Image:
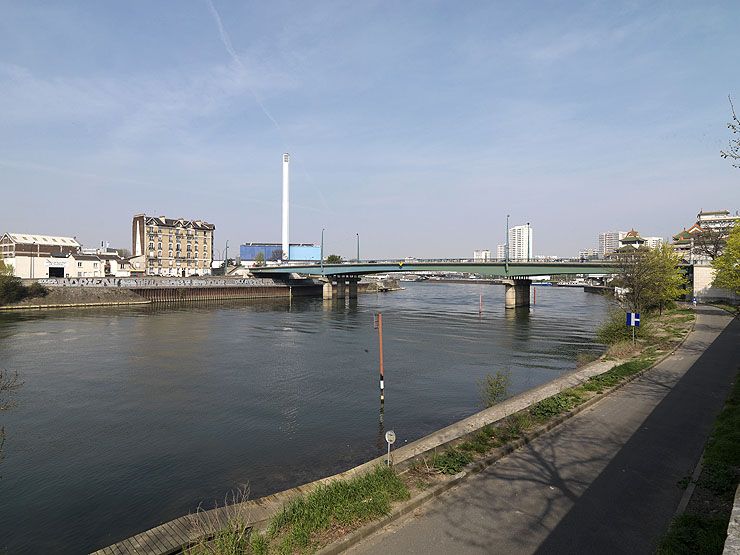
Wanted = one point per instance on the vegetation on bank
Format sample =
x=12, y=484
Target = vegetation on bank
x=650, y=277
x=331, y=511
x=728, y=263
x=314, y=519
x=702, y=529
x=12, y=289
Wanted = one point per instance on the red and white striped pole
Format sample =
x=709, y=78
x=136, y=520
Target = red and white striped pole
x=380, y=341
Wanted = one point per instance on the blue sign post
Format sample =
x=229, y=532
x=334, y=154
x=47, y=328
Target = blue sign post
x=633, y=321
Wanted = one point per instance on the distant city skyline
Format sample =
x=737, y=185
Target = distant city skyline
x=417, y=126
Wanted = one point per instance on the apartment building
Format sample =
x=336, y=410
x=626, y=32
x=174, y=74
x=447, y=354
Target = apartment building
x=163, y=246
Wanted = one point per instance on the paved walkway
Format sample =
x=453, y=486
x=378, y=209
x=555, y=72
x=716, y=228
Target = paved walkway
x=603, y=482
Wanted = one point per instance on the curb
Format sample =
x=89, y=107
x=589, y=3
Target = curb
x=477, y=466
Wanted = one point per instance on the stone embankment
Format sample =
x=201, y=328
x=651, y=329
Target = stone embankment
x=63, y=297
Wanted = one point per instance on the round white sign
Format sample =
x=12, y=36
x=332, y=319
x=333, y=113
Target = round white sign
x=390, y=436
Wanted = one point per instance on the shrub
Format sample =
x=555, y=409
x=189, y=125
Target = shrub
x=615, y=329
x=36, y=290
x=12, y=290
x=494, y=388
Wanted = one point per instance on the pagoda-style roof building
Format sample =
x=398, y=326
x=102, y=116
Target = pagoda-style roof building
x=632, y=239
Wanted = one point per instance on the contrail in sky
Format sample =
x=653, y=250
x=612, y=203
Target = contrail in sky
x=226, y=40
x=237, y=60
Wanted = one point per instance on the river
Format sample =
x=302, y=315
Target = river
x=130, y=417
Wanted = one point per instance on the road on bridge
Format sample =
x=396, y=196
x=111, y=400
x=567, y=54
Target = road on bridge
x=605, y=481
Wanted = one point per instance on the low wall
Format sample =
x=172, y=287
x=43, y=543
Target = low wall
x=155, y=282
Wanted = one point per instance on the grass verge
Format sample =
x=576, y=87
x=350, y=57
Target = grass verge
x=312, y=520
x=702, y=529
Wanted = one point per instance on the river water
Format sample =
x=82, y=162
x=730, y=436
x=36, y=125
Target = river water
x=131, y=417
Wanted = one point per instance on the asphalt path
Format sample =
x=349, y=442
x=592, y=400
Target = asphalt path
x=605, y=481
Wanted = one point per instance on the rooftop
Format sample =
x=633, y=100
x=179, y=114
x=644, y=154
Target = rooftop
x=30, y=238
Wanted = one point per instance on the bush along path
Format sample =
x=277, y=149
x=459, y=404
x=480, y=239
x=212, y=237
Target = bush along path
x=331, y=513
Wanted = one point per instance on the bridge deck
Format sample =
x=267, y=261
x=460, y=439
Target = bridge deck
x=500, y=269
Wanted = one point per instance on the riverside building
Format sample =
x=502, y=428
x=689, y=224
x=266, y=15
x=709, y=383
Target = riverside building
x=35, y=256
x=171, y=247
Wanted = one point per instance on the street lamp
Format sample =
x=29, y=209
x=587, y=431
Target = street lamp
x=528, y=240
x=358, y=246
x=506, y=254
x=322, y=249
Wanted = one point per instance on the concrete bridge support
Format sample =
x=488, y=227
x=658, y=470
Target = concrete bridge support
x=341, y=287
x=352, y=286
x=328, y=290
x=517, y=292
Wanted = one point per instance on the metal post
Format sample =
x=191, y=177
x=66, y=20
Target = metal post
x=358, y=247
x=506, y=255
x=380, y=342
x=528, y=236
x=226, y=257
x=322, y=250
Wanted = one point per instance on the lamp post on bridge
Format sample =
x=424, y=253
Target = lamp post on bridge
x=358, y=246
x=528, y=240
x=506, y=254
x=322, y=249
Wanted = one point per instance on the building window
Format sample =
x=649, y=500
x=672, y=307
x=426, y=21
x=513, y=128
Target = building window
x=79, y=264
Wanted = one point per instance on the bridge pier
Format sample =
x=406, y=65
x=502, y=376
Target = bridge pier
x=328, y=290
x=352, y=283
x=517, y=292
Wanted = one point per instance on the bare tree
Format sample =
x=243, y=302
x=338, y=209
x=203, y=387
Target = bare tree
x=733, y=149
x=711, y=241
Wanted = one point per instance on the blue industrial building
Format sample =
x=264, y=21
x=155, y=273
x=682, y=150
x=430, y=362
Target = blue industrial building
x=302, y=252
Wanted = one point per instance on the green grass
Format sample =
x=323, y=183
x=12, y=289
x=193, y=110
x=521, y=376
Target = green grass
x=694, y=534
x=340, y=503
x=556, y=405
x=232, y=540
x=451, y=461
x=612, y=377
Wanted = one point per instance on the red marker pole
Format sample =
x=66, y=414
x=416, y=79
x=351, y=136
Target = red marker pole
x=380, y=341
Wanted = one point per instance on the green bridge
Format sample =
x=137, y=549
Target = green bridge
x=341, y=278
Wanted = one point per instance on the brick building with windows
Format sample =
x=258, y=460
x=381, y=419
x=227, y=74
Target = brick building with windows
x=171, y=247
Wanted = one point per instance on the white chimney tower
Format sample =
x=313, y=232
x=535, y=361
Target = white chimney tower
x=286, y=206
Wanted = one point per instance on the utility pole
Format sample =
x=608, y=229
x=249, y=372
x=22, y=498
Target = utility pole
x=226, y=257
x=322, y=250
x=506, y=254
x=358, y=247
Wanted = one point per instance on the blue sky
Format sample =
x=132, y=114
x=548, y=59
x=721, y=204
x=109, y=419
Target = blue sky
x=418, y=125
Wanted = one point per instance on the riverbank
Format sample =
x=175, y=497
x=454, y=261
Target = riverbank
x=441, y=453
x=63, y=297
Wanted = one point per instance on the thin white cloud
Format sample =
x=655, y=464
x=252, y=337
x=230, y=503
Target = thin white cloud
x=226, y=40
